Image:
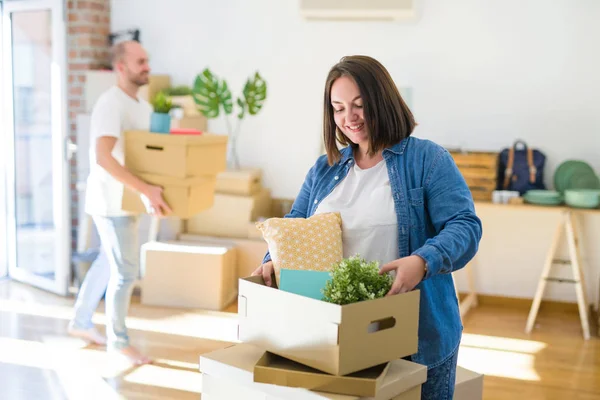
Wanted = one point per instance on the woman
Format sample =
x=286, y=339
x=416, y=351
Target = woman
x=402, y=200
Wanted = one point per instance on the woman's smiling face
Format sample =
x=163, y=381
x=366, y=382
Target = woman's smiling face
x=348, y=110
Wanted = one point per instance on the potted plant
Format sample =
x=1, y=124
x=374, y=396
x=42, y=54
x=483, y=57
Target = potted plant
x=212, y=95
x=160, y=121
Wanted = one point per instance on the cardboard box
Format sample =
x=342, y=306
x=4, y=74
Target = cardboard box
x=191, y=122
x=186, y=197
x=222, y=389
x=335, y=339
x=250, y=253
x=187, y=103
x=254, y=232
x=230, y=215
x=177, y=156
x=277, y=370
x=245, y=182
x=188, y=275
x=156, y=83
x=228, y=374
x=469, y=385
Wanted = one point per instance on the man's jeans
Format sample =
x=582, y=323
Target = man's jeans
x=114, y=271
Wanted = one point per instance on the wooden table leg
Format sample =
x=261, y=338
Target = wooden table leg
x=578, y=276
x=537, y=299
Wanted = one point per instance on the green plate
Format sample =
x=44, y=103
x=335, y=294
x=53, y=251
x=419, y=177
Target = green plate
x=569, y=169
x=545, y=201
x=587, y=180
x=543, y=194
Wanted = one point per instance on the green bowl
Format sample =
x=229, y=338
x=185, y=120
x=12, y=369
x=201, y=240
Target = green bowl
x=582, y=198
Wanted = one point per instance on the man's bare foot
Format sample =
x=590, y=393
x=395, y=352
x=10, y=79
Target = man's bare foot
x=134, y=356
x=90, y=335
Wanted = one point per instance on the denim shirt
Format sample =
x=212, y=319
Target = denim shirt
x=436, y=221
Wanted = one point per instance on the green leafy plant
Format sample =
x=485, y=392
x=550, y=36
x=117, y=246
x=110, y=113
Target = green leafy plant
x=354, y=279
x=161, y=103
x=181, y=90
x=213, y=97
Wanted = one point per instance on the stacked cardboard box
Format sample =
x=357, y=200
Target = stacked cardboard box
x=240, y=200
x=185, y=166
x=231, y=374
x=294, y=347
x=249, y=252
x=189, y=275
x=197, y=122
x=190, y=117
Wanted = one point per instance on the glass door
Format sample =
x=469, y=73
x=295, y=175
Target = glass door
x=34, y=69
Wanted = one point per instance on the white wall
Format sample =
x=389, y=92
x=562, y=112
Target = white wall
x=482, y=72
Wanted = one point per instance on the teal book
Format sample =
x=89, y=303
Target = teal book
x=303, y=282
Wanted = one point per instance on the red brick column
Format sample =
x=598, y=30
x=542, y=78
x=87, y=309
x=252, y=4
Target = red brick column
x=88, y=26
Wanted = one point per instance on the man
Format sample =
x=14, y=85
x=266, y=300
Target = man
x=117, y=110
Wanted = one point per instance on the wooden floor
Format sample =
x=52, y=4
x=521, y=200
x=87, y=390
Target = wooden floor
x=39, y=361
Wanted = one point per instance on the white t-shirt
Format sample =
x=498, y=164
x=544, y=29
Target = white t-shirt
x=114, y=113
x=369, y=223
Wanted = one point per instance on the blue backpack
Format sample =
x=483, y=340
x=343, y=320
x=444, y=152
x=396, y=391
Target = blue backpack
x=521, y=169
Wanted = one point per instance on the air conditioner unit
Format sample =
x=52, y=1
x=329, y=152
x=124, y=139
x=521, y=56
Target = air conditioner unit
x=392, y=10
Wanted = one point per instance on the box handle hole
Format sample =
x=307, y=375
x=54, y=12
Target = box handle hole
x=381, y=324
x=158, y=148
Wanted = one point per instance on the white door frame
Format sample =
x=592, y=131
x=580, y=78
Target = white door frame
x=60, y=163
x=3, y=186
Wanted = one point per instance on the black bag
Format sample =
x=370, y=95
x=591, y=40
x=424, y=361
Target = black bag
x=521, y=169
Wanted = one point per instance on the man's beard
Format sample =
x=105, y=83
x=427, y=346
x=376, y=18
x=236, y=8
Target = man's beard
x=139, y=80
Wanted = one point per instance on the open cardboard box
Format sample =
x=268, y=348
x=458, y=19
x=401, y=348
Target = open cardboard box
x=335, y=339
x=177, y=156
x=228, y=374
x=277, y=370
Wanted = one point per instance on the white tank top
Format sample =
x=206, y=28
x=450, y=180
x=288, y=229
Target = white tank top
x=369, y=222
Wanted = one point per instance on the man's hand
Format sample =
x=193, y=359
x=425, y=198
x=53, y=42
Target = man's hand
x=409, y=272
x=154, y=202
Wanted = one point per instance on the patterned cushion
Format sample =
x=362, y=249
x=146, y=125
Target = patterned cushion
x=313, y=243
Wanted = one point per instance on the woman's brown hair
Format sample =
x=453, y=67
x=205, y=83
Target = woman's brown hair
x=386, y=115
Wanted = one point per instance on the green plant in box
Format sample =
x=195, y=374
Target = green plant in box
x=353, y=279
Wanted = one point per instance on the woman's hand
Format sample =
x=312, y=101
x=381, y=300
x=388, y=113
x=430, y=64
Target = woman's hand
x=265, y=270
x=409, y=272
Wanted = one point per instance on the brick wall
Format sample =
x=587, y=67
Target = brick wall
x=88, y=26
